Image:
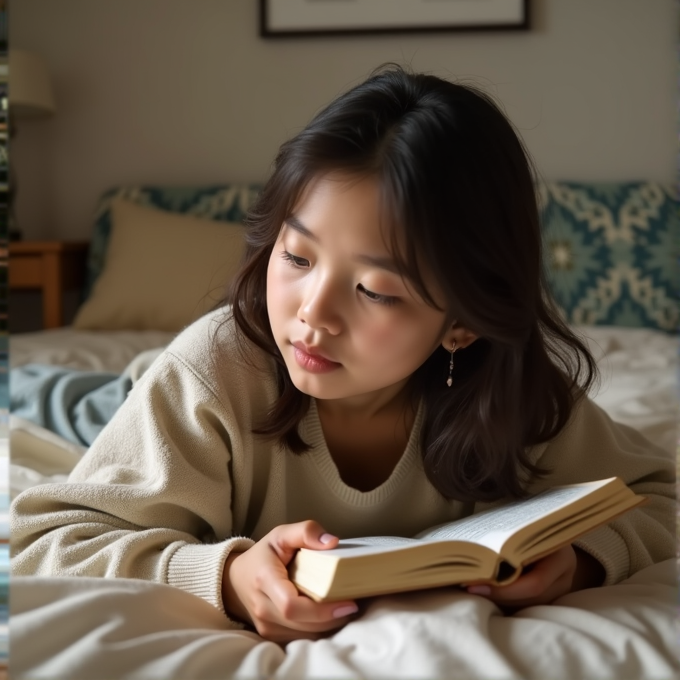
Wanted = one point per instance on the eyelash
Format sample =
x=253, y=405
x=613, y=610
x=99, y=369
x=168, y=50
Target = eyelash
x=386, y=300
x=293, y=259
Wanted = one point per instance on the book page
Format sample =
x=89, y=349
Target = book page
x=493, y=527
x=370, y=545
x=388, y=541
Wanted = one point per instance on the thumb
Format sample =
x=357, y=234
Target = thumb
x=287, y=539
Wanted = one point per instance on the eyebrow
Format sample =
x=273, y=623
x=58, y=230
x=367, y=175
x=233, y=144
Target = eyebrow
x=386, y=263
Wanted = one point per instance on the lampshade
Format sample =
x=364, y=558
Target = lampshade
x=30, y=90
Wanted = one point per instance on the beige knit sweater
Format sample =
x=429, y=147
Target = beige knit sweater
x=176, y=480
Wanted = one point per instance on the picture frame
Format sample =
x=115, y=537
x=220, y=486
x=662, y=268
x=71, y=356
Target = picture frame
x=299, y=18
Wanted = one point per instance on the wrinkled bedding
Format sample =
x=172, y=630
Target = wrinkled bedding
x=639, y=380
x=109, y=351
x=94, y=628
x=75, y=404
x=74, y=628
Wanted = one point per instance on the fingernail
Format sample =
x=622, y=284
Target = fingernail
x=479, y=590
x=326, y=538
x=345, y=611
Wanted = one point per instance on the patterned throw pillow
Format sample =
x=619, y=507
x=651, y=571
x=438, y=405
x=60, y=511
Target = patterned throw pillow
x=228, y=202
x=611, y=252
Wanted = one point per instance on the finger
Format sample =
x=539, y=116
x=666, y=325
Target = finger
x=300, y=609
x=270, y=627
x=286, y=539
x=552, y=573
x=269, y=624
x=541, y=597
x=525, y=587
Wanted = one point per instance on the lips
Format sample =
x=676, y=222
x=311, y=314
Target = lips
x=312, y=361
x=313, y=352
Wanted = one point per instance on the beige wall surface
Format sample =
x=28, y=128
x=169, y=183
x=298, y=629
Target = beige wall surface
x=186, y=92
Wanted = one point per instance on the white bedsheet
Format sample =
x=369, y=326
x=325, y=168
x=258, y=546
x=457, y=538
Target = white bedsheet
x=84, y=628
x=639, y=380
x=94, y=628
x=85, y=350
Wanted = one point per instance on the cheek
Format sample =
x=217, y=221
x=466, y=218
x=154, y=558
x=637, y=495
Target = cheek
x=402, y=339
x=390, y=334
x=382, y=335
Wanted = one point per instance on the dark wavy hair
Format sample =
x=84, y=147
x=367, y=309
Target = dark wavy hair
x=458, y=189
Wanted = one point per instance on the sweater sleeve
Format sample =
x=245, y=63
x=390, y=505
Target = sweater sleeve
x=151, y=499
x=592, y=446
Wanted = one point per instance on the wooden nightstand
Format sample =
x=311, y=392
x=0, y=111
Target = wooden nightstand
x=51, y=267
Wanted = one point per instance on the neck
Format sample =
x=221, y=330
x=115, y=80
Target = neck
x=365, y=407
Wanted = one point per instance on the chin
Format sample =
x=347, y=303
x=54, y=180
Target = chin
x=316, y=386
x=311, y=387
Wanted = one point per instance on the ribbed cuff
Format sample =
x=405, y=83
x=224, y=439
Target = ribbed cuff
x=198, y=569
x=609, y=549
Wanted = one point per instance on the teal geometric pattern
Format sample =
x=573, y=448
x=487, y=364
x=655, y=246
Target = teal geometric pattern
x=227, y=202
x=611, y=252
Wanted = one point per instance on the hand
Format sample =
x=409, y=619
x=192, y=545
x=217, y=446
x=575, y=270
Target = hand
x=564, y=571
x=257, y=590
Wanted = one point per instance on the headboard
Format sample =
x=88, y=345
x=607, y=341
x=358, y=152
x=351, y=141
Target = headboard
x=610, y=249
x=611, y=252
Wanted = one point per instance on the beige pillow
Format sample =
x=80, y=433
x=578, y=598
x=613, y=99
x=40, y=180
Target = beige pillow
x=162, y=270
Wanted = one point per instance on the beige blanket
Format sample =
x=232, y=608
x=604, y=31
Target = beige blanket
x=94, y=628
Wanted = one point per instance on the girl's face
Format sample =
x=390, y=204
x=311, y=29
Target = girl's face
x=348, y=327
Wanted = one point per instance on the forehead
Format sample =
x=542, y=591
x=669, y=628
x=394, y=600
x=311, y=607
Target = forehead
x=346, y=204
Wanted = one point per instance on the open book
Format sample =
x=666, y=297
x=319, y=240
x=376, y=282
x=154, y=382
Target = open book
x=492, y=546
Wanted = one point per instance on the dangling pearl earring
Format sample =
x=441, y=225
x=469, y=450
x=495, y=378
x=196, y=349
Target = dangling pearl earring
x=449, y=380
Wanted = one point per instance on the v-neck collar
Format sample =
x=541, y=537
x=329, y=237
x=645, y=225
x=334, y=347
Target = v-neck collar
x=313, y=435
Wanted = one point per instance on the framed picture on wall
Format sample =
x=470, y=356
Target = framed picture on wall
x=338, y=17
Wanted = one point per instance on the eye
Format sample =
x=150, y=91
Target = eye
x=294, y=259
x=375, y=297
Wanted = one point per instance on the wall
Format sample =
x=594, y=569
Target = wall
x=177, y=92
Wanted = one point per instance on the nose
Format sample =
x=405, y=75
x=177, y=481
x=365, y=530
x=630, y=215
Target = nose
x=320, y=306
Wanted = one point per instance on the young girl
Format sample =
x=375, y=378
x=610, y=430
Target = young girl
x=390, y=360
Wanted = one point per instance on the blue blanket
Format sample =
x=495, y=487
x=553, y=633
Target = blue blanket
x=74, y=404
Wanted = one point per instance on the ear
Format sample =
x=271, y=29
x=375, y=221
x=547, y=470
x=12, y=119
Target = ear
x=462, y=337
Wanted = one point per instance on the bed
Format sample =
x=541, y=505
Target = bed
x=609, y=258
